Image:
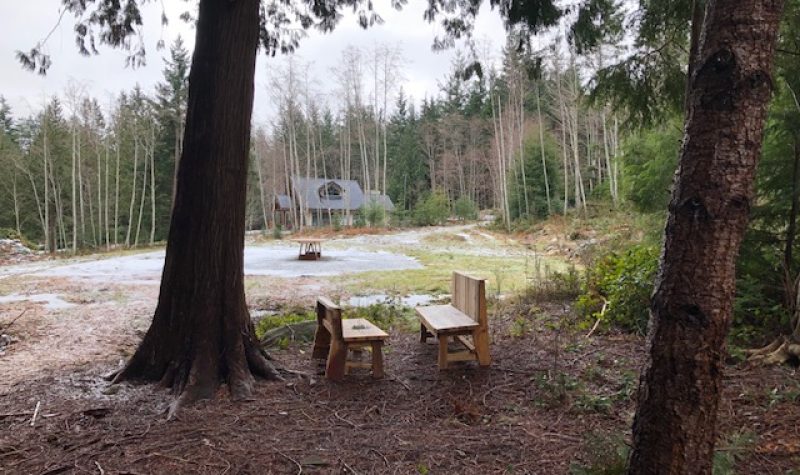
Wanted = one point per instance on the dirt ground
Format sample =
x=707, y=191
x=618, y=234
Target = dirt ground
x=524, y=414
x=552, y=398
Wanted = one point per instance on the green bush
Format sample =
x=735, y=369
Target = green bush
x=277, y=232
x=554, y=287
x=432, y=210
x=400, y=218
x=622, y=282
x=465, y=209
x=360, y=220
x=374, y=213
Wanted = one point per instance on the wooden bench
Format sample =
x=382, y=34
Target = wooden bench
x=335, y=338
x=465, y=321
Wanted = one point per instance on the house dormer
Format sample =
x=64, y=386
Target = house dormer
x=331, y=191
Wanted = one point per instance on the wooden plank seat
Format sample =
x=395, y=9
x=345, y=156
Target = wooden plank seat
x=464, y=321
x=336, y=338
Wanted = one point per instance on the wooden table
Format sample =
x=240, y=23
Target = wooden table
x=310, y=248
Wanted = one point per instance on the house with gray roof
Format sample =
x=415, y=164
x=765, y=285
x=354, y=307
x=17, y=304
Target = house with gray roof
x=321, y=201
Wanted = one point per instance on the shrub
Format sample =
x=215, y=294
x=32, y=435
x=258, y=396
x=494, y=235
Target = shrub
x=360, y=220
x=374, y=213
x=401, y=218
x=618, y=286
x=432, y=210
x=276, y=232
x=465, y=209
x=554, y=287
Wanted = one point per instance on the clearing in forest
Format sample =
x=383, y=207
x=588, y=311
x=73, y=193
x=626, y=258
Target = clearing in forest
x=551, y=401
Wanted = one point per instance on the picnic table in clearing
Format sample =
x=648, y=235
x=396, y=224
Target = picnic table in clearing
x=310, y=248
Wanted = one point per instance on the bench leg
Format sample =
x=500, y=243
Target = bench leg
x=337, y=359
x=423, y=333
x=442, y=351
x=377, y=359
x=322, y=343
x=481, y=339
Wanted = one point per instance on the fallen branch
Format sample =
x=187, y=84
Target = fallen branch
x=486, y=394
x=594, y=327
x=599, y=318
x=299, y=467
x=3, y=330
x=385, y=460
x=782, y=350
x=403, y=383
x=36, y=412
x=348, y=467
x=336, y=413
x=295, y=372
x=294, y=331
x=14, y=414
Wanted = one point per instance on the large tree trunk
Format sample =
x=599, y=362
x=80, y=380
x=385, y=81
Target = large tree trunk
x=201, y=334
x=674, y=427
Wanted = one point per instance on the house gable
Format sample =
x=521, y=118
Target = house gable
x=331, y=194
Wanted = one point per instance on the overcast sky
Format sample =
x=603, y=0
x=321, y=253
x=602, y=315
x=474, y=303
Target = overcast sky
x=24, y=23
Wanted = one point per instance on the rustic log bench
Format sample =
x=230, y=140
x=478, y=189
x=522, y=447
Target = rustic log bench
x=335, y=338
x=465, y=321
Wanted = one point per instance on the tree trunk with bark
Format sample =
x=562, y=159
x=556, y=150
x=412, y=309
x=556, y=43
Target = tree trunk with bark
x=201, y=334
x=674, y=428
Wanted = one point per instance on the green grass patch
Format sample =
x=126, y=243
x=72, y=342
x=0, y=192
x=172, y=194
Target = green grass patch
x=505, y=274
x=387, y=316
x=735, y=448
x=277, y=321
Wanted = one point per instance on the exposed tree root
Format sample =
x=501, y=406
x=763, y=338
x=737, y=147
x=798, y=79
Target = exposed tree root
x=198, y=375
x=782, y=350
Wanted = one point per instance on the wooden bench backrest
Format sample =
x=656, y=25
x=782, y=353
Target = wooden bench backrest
x=469, y=296
x=329, y=315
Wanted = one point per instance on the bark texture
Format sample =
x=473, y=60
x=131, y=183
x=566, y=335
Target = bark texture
x=674, y=427
x=201, y=334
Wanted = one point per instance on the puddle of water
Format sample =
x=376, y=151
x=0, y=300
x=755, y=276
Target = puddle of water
x=50, y=301
x=412, y=300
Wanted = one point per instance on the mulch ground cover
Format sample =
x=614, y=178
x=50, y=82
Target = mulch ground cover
x=551, y=400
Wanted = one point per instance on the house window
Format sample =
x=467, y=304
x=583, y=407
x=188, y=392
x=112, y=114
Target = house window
x=331, y=191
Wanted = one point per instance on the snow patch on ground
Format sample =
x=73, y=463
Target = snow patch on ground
x=284, y=262
x=50, y=301
x=278, y=260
